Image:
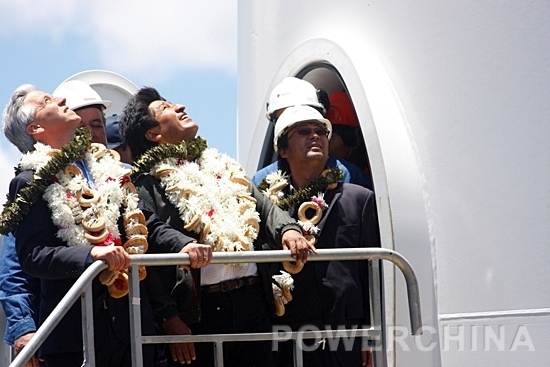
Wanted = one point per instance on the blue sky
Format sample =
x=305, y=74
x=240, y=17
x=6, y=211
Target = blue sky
x=187, y=49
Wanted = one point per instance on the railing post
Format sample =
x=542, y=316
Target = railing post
x=375, y=292
x=218, y=354
x=135, y=317
x=87, y=305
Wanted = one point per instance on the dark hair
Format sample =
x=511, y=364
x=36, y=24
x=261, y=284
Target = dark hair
x=282, y=143
x=137, y=120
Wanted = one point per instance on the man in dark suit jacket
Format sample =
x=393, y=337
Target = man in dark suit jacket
x=31, y=117
x=339, y=215
x=232, y=298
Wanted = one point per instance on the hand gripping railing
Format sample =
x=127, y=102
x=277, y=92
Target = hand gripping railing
x=83, y=287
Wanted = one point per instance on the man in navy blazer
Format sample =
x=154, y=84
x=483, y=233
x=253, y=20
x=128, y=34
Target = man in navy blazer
x=326, y=294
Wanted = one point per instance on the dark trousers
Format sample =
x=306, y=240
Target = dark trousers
x=110, y=351
x=242, y=310
x=317, y=355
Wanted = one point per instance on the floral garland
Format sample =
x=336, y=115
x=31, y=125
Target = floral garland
x=185, y=150
x=310, y=197
x=77, y=208
x=209, y=190
x=14, y=211
x=277, y=179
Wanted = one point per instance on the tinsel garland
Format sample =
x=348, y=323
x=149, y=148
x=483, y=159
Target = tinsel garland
x=185, y=150
x=320, y=184
x=14, y=211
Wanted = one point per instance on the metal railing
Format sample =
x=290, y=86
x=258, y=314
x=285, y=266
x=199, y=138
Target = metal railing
x=82, y=288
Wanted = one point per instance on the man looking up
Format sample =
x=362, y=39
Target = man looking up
x=333, y=215
x=19, y=292
x=86, y=212
x=206, y=195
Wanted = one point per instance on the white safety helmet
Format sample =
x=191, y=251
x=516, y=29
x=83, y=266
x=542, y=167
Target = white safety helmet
x=292, y=92
x=79, y=94
x=293, y=115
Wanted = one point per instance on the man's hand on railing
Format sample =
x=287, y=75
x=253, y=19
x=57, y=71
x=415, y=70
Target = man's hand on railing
x=116, y=256
x=180, y=352
x=20, y=343
x=199, y=255
x=299, y=247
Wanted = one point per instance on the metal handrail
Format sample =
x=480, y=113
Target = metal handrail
x=84, y=282
x=373, y=253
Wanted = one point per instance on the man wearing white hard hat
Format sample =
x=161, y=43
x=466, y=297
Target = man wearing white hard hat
x=87, y=103
x=333, y=215
x=295, y=92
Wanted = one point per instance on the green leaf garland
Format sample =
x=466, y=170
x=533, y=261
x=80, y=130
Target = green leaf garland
x=185, y=150
x=14, y=211
x=320, y=184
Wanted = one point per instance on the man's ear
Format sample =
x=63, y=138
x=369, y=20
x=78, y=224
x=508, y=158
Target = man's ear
x=153, y=134
x=283, y=153
x=34, y=128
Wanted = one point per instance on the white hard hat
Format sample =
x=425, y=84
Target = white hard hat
x=109, y=85
x=79, y=94
x=293, y=115
x=292, y=92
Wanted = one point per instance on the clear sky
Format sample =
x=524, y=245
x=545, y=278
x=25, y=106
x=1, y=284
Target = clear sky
x=187, y=49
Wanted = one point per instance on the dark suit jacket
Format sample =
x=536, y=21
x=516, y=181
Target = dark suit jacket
x=167, y=298
x=45, y=256
x=348, y=222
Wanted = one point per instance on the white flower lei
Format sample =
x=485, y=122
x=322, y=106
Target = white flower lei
x=206, y=189
x=67, y=214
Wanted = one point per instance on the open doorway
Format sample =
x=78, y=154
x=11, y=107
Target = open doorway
x=347, y=143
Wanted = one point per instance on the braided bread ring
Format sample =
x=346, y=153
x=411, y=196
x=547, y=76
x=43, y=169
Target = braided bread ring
x=142, y=272
x=93, y=223
x=136, y=245
x=243, y=181
x=193, y=223
x=72, y=171
x=86, y=197
x=138, y=229
x=107, y=277
x=98, y=150
x=136, y=216
x=120, y=287
x=293, y=267
x=163, y=172
x=97, y=238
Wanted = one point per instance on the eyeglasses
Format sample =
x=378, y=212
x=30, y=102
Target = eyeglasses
x=307, y=131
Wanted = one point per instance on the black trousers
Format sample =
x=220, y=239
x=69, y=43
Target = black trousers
x=242, y=310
